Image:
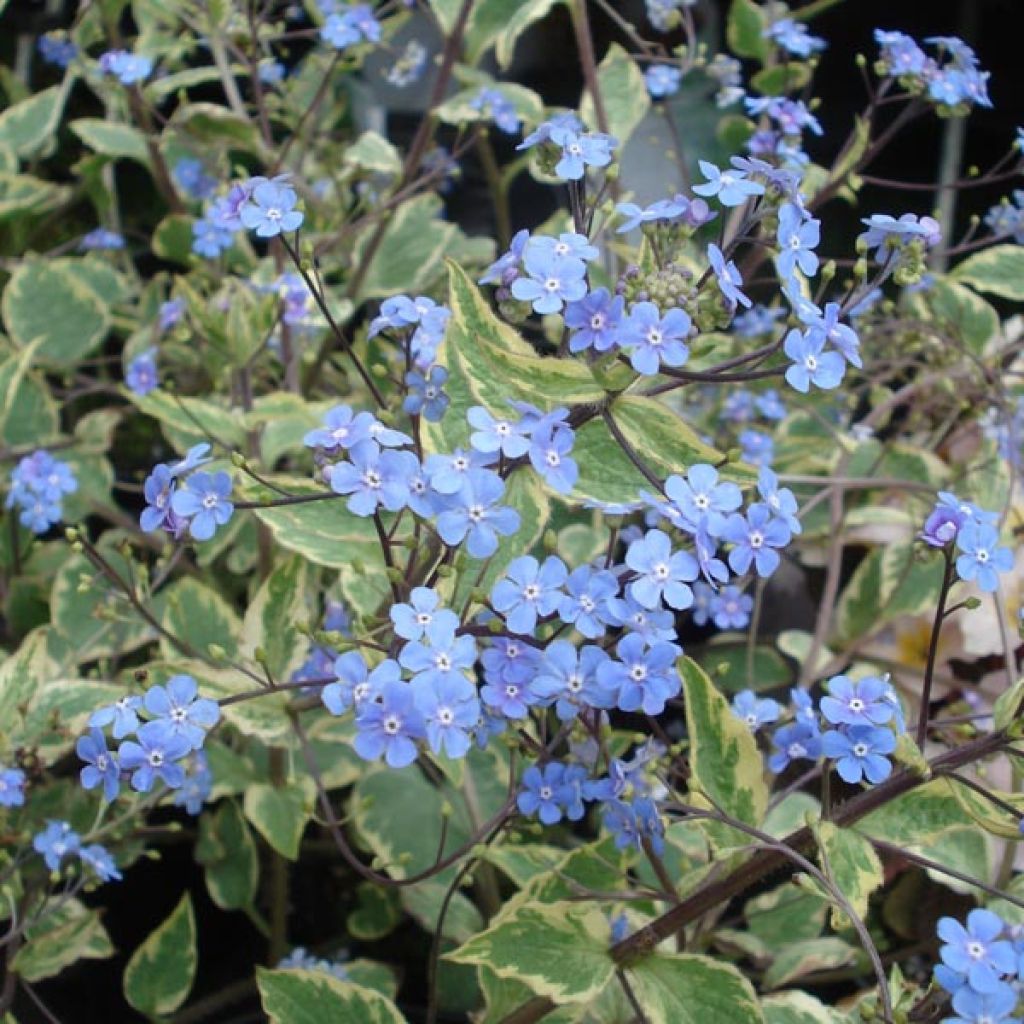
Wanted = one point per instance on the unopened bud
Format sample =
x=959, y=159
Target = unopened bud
x=238, y=459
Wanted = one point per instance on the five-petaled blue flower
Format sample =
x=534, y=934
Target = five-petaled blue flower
x=755, y=711
x=863, y=702
x=977, y=951
x=662, y=575
x=655, y=339
x=271, y=210
x=101, y=764
x=982, y=559
x=811, y=364
x=529, y=590
x=155, y=756
x=474, y=515
x=202, y=499
x=860, y=752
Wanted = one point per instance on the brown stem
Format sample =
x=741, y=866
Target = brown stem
x=933, y=648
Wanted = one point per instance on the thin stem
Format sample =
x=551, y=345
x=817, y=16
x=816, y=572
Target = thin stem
x=948, y=576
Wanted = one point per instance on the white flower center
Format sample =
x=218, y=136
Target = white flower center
x=392, y=724
x=860, y=750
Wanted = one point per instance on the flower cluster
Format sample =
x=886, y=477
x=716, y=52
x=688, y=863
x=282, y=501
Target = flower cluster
x=975, y=534
x=167, y=743
x=862, y=721
x=956, y=84
x=566, y=150
x=980, y=967
x=59, y=841
x=38, y=485
x=199, y=502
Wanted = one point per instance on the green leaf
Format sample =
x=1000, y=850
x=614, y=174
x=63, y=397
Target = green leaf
x=198, y=615
x=376, y=914
x=187, y=421
x=90, y=612
x=409, y=256
x=782, y=78
x=160, y=972
x=745, y=30
x=111, y=138
x=800, y=958
x=684, y=989
x=64, y=935
x=657, y=435
x=28, y=413
x=960, y=312
x=49, y=303
x=624, y=92
x=523, y=15
x=726, y=766
x=265, y=719
x=22, y=195
x=726, y=663
x=280, y=813
x=228, y=853
x=850, y=862
x=372, y=152
x=1008, y=704
x=559, y=950
x=21, y=674
x=315, y=997
x=282, y=600
x=172, y=239
x=28, y=126
x=996, y=271
x=798, y=1008
x=783, y=915
x=499, y=364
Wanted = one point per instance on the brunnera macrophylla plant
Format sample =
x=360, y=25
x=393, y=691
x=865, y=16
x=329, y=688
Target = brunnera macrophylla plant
x=331, y=527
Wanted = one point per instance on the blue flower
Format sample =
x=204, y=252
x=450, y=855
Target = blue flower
x=798, y=236
x=568, y=245
x=977, y=951
x=594, y=320
x=841, y=337
x=38, y=485
x=492, y=435
x=502, y=112
x=585, y=604
x=505, y=269
x=661, y=574
x=633, y=823
x=448, y=472
x=389, y=726
x=123, y=714
x=508, y=665
x=860, y=752
x=548, y=793
x=580, y=151
x=780, y=500
x=728, y=277
x=643, y=677
x=812, y=365
x=863, y=702
x=426, y=394
x=127, y=68
x=529, y=590
x=179, y=705
x=793, y=37
x=655, y=339
x=982, y=559
x=755, y=711
x=342, y=429
x=995, y=1007
x=99, y=860
x=190, y=177
x=373, y=478
x=450, y=710
x=155, y=756
x=475, y=516
x=755, y=536
x=355, y=687
x=798, y=741
x=731, y=608
x=210, y=237
x=758, y=320
x=651, y=624
x=447, y=657
x=569, y=677
x=701, y=499
x=271, y=210
x=732, y=187
x=141, y=375
x=57, y=841
x=171, y=313
x=412, y=620
x=662, y=80
x=552, y=280
x=101, y=765
x=198, y=784
x=12, y=787
x=550, y=445
x=202, y=499
x=356, y=24
x=756, y=448
x=55, y=48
